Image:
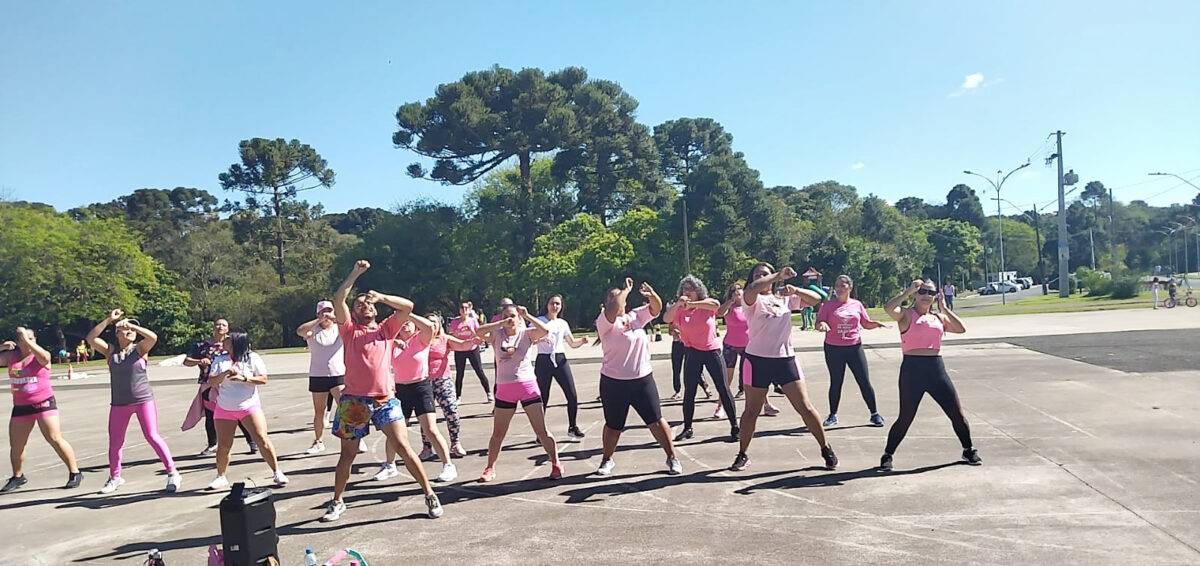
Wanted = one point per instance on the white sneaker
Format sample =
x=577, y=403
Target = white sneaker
x=449, y=473
x=280, y=479
x=329, y=418
x=719, y=413
x=386, y=472
x=219, y=483
x=112, y=484
x=362, y=446
x=674, y=468
x=174, y=480
x=606, y=467
x=427, y=455
x=434, y=505
x=316, y=448
x=457, y=451
x=335, y=510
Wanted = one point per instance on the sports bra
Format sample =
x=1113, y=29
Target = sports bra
x=924, y=332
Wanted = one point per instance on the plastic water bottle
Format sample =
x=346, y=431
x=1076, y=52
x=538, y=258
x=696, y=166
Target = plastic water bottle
x=310, y=559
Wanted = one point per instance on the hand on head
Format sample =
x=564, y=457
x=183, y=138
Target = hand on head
x=522, y=312
x=646, y=290
x=115, y=315
x=628, y=284
x=372, y=297
x=788, y=273
x=916, y=284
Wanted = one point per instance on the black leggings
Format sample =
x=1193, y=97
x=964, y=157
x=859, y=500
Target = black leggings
x=210, y=427
x=560, y=371
x=694, y=363
x=677, y=353
x=836, y=359
x=920, y=375
x=460, y=366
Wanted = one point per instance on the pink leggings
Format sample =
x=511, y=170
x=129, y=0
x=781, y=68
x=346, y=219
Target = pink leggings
x=118, y=422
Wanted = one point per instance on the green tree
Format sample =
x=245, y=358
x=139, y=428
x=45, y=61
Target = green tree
x=580, y=259
x=956, y=245
x=271, y=174
x=164, y=217
x=356, y=221
x=1020, y=249
x=682, y=145
x=963, y=204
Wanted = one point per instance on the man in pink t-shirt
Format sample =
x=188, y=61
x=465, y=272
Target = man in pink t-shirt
x=626, y=379
x=368, y=397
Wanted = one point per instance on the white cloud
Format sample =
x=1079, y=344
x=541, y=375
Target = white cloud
x=972, y=82
x=858, y=165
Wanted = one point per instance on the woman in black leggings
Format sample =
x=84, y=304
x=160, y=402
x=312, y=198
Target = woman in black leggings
x=922, y=371
x=677, y=351
x=463, y=328
x=842, y=319
x=551, y=362
x=695, y=313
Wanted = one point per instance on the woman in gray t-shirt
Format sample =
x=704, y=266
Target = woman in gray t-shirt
x=131, y=394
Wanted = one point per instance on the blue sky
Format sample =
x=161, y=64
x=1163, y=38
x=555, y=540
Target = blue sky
x=897, y=99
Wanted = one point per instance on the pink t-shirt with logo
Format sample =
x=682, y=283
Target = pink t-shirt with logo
x=30, y=381
x=770, y=325
x=464, y=330
x=368, y=354
x=625, y=344
x=410, y=364
x=737, y=332
x=438, y=352
x=698, y=328
x=845, y=321
x=512, y=356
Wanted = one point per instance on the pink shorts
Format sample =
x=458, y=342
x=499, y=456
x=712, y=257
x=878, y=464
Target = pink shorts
x=222, y=414
x=522, y=392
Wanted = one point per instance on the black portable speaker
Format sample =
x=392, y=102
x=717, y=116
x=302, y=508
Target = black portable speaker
x=248, y=526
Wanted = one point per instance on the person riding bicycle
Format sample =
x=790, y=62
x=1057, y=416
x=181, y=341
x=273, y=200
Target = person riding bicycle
x=1171, y=289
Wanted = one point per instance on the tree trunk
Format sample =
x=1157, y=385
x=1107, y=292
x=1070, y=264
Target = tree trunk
x=529, y=232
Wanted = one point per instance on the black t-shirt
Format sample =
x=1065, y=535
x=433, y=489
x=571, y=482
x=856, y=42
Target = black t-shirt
x=205, y=349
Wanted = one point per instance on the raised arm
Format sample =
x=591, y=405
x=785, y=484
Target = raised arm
x=894, y=309
x=674, y=308
x=725, y=307
x=401, y=305
x=149, y=338
x=808, y=297
x=93, y=336
x=424, y=327
x=340, y=309
x=761, y=284
x=613, y=307
x=8, y=349
x=25, y=337
x=306, y=330
x=539, y=330
x=655, y=301
x=950, y=320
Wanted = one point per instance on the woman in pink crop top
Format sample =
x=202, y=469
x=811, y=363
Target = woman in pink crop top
x=771, y=358
x=842, y=319
x=33, y=403
x=443, y=383
x=922, y=371
x=695, y=313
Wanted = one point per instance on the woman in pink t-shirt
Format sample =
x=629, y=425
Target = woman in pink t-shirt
x=467, y=350
x=842, y=319
x=516, y=383
x=733, y=348
x=696, y=315
x=33, y=403
x=771, y=357
x=443, y=384
x=626, y=378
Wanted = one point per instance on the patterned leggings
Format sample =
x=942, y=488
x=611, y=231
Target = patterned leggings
x=447, y=398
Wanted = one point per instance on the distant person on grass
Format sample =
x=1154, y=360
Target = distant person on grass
x=948, y=294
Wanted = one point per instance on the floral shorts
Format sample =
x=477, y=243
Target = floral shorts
x=356, y=414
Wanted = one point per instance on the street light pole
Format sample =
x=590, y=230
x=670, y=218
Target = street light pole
x=1177, y=177
x=1000, y=221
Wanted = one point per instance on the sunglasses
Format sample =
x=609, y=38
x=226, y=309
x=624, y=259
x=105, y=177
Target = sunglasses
x=927, y=292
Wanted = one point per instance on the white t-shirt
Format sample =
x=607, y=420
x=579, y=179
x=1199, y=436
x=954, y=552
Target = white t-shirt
x=238, y=395
x=555, y=341
x=770, y=322
x=625, y=345
x=326, y=358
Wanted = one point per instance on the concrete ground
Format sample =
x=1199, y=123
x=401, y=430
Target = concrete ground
x=1085, y=461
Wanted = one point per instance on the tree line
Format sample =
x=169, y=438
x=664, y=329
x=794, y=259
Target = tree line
x=570, y=193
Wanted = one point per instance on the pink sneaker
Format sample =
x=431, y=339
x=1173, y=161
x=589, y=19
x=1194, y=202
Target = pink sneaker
x=489, y=474
x=556, y=471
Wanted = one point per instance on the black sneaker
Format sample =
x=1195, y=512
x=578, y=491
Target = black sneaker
x=73, y=480
x=885, y=463
x=740, y=463
x=574, y=432
x=778, y=389
x=253, y=448
x=684, y=434
x=741, y=393
x=733, y=434
x=13, y=483
x=831, y=460
x=971, y=456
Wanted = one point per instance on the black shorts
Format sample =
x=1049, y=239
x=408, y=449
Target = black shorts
x=325, y=384
x=618, y=395
x=35, y=409
x=502, y=404
x=730, y=354
x=765, y=372
x=416, y=399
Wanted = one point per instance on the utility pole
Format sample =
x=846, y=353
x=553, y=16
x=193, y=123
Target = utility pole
x=1037, y=233
x=687, y=258
x=1064, y=248
x=1092, y=245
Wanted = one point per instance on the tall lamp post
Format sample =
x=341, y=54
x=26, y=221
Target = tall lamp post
x=1177, y=177
x=999, y=220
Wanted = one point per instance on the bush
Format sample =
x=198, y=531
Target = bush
x=1125, y=286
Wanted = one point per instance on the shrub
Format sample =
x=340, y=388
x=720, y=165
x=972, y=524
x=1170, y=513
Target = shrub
x=1125, y=286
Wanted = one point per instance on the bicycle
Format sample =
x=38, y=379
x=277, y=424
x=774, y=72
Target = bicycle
x=1188, y=300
